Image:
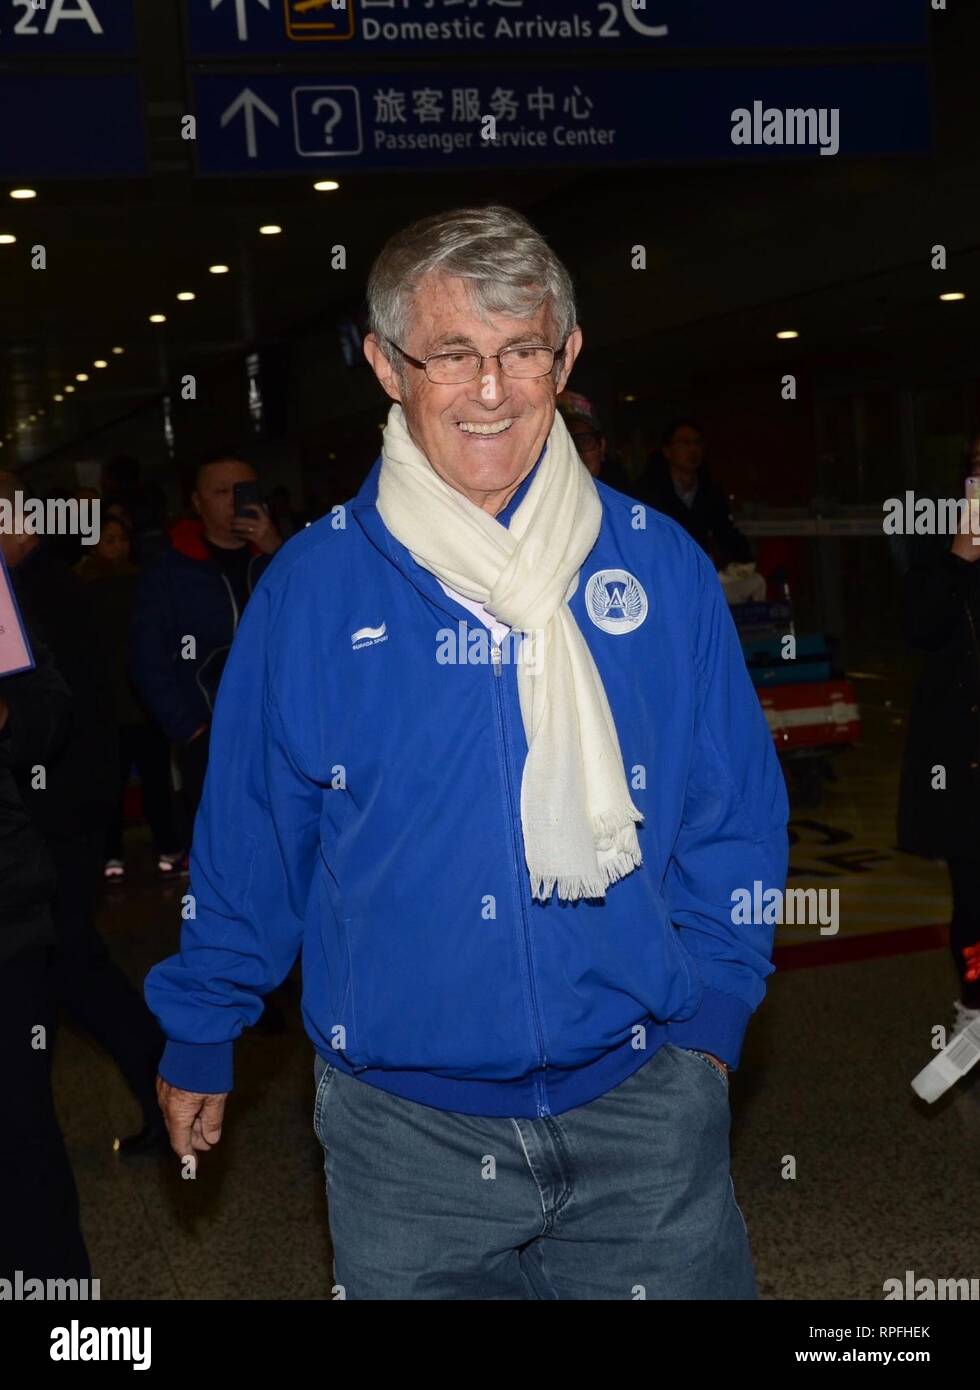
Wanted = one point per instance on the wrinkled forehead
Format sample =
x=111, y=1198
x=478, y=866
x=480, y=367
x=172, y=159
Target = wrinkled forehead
x=445, y=309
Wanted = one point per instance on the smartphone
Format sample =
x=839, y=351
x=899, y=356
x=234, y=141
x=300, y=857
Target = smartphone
x=246, y=497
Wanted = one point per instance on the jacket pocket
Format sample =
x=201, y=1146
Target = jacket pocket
x=424, y=999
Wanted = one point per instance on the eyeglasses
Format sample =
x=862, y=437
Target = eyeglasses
x=454, y=368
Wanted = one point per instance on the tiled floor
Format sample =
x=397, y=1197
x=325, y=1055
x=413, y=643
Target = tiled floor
x=883, y=1183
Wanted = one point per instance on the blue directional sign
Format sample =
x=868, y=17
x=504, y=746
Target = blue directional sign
x=71, y=127
x=282, y=122
x=63, y=28
x=332, y=28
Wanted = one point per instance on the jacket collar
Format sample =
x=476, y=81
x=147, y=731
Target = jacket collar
x=187, y=538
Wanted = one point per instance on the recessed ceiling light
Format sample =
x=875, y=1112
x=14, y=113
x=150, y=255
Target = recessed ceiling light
x=6, y=239
x=59, y=397
x=118, y=351
x=326, y=186
x=69, y=390
x=219, y=269
x=787, y=333
x=628, y=398
x=186, y=296
x=40, y=412
x=158, y=318
x=951, y=296
x=100, y=362
x=81, y=376
x=23, y=193
x=32, y=417
x=270, y=229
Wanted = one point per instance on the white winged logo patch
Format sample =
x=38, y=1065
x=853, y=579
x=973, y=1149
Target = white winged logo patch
x=615, y=601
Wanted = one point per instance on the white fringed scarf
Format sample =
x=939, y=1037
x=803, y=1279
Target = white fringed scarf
x=578, y=819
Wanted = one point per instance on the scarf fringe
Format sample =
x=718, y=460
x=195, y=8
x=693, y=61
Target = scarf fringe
x=571, y=887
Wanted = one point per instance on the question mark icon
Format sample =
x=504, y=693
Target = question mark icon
x=331, y=121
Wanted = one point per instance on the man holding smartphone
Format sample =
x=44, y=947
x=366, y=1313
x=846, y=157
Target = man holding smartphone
x=190, y=604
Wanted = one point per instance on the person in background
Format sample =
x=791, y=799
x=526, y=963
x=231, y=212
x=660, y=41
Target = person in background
x=939, y=812
x=39, y=1228
x=188, y=607
x=141, y=505
x=111, y=577
x=590, y=440
x=678, y=482
x=70, y=808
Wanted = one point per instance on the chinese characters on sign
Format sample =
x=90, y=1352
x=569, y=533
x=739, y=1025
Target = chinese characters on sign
x=278, y=122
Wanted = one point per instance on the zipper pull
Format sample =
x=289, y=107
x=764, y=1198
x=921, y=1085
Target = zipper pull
x=495, y=658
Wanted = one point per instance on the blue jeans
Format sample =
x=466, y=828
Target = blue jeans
x=628, y=1197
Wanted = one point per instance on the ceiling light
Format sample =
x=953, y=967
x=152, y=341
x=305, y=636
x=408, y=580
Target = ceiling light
x=23, y=194
x=100, y=362
x=787, y=333
x=6, y=239
x=69, y=390
x=219, y=269
x=326, y=186
x=951, y=296
x=59, y=397
x=81, y=376
x=186, y=296
x=118, y=351
x=270, y=229
x=158, y=318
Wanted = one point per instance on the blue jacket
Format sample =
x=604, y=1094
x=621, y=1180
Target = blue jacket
x=362, y=805
x=184, y=594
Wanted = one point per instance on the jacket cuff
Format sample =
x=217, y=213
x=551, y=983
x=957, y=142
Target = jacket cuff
x=203, y=1067
x=718, y=1027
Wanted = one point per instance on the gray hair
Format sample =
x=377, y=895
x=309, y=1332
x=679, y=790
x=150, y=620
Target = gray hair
x=510, y=267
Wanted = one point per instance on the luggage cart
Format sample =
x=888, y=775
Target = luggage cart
x=812, y=711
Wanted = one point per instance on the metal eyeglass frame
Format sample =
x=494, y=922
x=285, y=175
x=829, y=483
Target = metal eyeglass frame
x=484, y=357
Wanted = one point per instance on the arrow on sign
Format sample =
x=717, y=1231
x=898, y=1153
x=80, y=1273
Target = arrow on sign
x=241, y=15
x=248, y=102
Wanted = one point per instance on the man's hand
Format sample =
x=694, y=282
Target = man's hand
x=259, y=528
x=193, y=1119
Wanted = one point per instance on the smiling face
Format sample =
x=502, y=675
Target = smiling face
x=482, y=437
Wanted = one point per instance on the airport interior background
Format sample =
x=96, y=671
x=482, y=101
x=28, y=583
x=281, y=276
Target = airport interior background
x=840, y=252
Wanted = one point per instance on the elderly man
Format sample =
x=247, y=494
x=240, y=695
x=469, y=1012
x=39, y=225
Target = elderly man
x=511, y=880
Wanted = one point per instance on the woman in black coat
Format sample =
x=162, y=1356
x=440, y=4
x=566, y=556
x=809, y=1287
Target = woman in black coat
x=939, y=805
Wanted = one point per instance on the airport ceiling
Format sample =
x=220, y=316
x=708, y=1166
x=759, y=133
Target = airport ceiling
x=838, y=250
